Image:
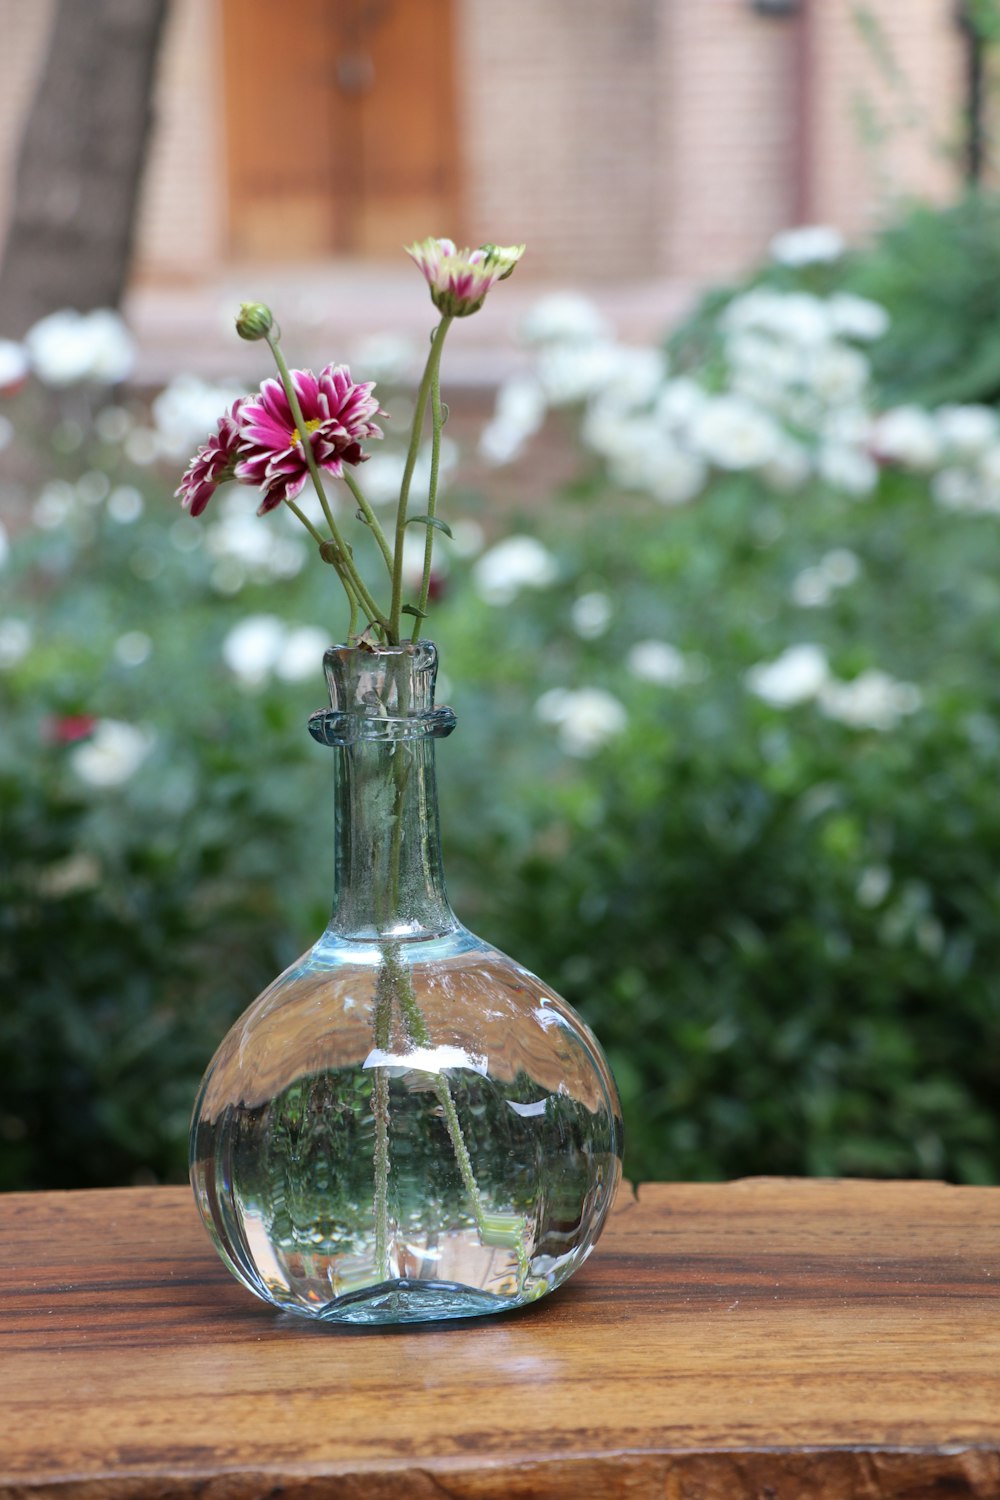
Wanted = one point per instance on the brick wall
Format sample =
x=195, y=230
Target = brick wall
x=561, y=111
x=623, y=138
x=24, y=29
x=728, y=135
x=181, y=229
x=886, y=113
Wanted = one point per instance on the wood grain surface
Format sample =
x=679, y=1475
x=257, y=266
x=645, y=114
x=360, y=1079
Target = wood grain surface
x=781, y=1340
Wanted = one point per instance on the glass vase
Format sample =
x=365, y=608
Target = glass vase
x=406, y=1125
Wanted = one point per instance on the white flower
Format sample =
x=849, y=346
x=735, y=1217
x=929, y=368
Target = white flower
x=15, y=641
x=967, y=432
x=301, y=654
x=237, y=535
x=840, y=566
x=810, y=590
x=564, y=317
x=113, y=423
x=801, y=318
x=466, y=537
x=808, y=245
x=646, y=458
x=518, y=562
x=858, y=318
x=732, y=433
x=112, y=754
x=814, y=587
x=382, y=477
x=186, y=410
x=125, y=504
x=847, y=469
x=874, y=885
x=519, y=413
x=13, y=364
x=958, y=489
x=587, y=718
x=872, y=701
x=679, y=401
x=635, y=376
x=386, y=357
x=133, y=648
x=591, y=615
x=569, y=373
x=838, y=374
x=907, y=435
x=789, y=468
x=798, y=317
x=54, y=505
x=763, y=368
x=797, y=675
x=67, y=347
x=253, y=648
x=659, y=662
x=849, y=426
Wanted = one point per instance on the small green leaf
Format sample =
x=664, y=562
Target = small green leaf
x=411, y=609
x=362, y=518
x=431, y=521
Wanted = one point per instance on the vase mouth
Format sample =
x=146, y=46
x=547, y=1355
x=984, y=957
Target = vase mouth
x=381, y=693
x=423, y=654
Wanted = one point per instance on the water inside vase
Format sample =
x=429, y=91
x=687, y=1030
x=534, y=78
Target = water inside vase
x=467, y=1172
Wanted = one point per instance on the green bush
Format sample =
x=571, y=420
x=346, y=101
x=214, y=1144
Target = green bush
x=935, y=271
x=781, y=914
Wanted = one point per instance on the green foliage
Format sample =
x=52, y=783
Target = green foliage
x=983, y=18
x=937, y=274
x=784, y=928
x=786, y=931
x=935, y=271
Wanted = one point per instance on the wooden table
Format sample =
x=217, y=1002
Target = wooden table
x=785, y=1340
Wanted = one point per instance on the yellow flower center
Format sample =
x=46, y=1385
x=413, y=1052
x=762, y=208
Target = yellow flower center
x=311, y=425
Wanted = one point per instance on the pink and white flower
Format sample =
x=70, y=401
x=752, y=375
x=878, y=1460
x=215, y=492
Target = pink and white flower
x=337, y=415
x=213, y=464
x=460, y=279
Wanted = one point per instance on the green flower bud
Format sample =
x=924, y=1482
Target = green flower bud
x=254, y=321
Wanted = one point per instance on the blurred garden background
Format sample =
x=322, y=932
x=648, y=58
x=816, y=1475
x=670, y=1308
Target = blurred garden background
x=719, y=614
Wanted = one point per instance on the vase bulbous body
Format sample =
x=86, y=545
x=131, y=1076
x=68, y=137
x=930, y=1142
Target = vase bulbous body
x=406, y=1125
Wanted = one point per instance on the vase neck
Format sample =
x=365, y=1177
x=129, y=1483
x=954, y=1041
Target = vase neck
x=383, y=724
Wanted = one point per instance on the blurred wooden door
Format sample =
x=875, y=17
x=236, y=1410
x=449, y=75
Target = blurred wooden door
x=340, y=125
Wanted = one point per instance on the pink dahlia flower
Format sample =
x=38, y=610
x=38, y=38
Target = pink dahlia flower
x=460, y=279
x=213, y=464
x=337, y=415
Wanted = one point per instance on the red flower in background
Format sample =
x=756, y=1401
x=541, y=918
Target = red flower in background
x=67, y=729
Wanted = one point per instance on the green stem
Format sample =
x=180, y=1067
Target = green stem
x=436, y=425
x=461, y=1150
x=371, y=518
x=317, y=536
x=334, y=561
x=380, y=1111
x=346, y=560
x=430, y=374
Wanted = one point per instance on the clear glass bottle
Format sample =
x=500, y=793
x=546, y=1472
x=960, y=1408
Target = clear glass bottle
x=405, y=1125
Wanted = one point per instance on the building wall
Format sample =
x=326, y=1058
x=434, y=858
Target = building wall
x=560, y=106
x=628, y=139
x=181, y=228
x=886, y=108
x=728, y=134
x=25, y=32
